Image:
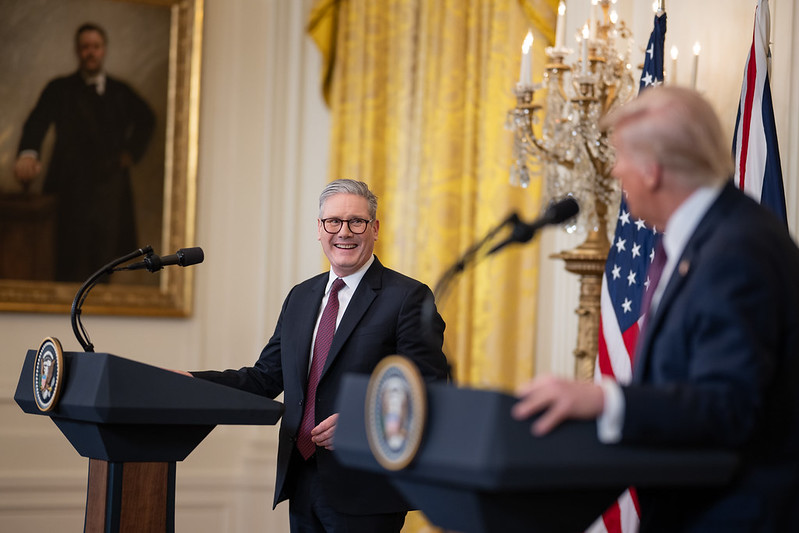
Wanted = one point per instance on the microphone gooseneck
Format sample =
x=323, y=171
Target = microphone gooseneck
x=556, y=213
x=183, y=257
x=83, y=292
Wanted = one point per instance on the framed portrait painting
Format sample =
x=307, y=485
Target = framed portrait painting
x=98, y=150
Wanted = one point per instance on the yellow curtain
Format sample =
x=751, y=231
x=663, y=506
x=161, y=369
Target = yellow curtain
x=418, y=92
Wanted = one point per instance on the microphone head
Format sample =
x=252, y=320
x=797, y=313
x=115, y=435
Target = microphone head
x=190, y=256
x=562, y=210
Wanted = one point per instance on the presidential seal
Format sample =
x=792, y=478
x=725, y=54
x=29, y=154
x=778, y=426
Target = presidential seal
x=48, y=374
x=396, y=412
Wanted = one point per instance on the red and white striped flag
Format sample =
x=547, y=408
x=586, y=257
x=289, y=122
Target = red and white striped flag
x=757, y=155
x=623, y=287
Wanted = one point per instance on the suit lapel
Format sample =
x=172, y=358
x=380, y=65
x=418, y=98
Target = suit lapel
x=305, y=328
x=689, y=259
x=359, y=304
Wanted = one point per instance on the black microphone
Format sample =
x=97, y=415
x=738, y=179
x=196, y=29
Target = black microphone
x=183, y=257
x=556, y=213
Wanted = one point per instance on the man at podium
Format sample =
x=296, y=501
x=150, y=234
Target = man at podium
x=716, y=363
x=344, y=320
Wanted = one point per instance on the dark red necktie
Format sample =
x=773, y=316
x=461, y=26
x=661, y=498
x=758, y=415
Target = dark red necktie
x=324, y=338
x=654, y=273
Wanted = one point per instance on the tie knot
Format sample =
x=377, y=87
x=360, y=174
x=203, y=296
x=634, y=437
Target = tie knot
x=338, y=284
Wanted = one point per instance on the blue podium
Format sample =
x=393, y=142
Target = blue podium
x=478, y=470
x=134, y=422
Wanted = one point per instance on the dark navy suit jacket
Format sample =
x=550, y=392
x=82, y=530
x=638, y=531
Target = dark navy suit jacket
x=382, y=318
x=719, y=366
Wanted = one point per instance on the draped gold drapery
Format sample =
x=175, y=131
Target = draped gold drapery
x=418, y=92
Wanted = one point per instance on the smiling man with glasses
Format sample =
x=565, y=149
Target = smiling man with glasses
x=347, y=227
x=344, y=320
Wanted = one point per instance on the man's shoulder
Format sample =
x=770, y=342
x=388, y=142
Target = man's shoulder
x=383, y=277
x=311, y=282
x=116, y=83
x=737, y=230
x=400, y=278
x=67, y=80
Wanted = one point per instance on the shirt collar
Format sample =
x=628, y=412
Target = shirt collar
x=686, y=218
x=353, y=280
x=97, y=80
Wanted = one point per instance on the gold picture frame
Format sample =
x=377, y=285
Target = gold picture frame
x=170, y=291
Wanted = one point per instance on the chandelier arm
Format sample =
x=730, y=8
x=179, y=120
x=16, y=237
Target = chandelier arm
x=594, y=160
x=561, y=90
x=532, y=139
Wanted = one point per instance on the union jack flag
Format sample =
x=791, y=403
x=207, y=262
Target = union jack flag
x=758, y=171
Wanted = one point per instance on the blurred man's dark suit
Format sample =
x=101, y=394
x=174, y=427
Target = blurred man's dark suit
x=723, y=349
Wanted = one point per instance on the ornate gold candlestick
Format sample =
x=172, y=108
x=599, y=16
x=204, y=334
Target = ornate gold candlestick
x=575, y=157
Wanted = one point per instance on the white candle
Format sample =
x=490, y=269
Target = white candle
x=526, y=71
x=592, y=27
x=560, y=34
x=674, y=53
x=697, y=49
x=585, y=50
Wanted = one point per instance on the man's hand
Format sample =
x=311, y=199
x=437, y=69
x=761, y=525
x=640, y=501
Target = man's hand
x=558, y=400
x=26, y=169
x=322, y=435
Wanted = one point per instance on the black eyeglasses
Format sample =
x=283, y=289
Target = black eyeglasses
x=356, y=225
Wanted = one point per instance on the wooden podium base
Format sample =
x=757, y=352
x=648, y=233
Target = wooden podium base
x=130, y=497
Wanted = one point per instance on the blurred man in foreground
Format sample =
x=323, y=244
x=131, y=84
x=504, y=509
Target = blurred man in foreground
x=717, y=364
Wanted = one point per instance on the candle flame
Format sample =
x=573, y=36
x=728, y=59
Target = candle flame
x=614, y=17
x=528, y=42
x=562, y=8
x=697, y=48
x=586, y=32
x=674, y=52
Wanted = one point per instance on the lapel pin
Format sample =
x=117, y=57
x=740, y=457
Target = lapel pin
x=684, y=267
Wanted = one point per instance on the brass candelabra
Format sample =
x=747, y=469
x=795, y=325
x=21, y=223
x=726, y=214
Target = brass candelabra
x=561, y=140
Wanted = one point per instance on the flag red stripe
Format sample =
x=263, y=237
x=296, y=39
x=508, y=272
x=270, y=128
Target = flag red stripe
x=634, y=497
x=630, y=340
x=612, y=518
x=605, y=368
x=751, y=78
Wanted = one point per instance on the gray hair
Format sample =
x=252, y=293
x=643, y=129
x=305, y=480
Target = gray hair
x=679, y=129
x=348, y=186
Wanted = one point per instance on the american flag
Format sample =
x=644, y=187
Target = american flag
x=623, y=287
x=757, y=156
